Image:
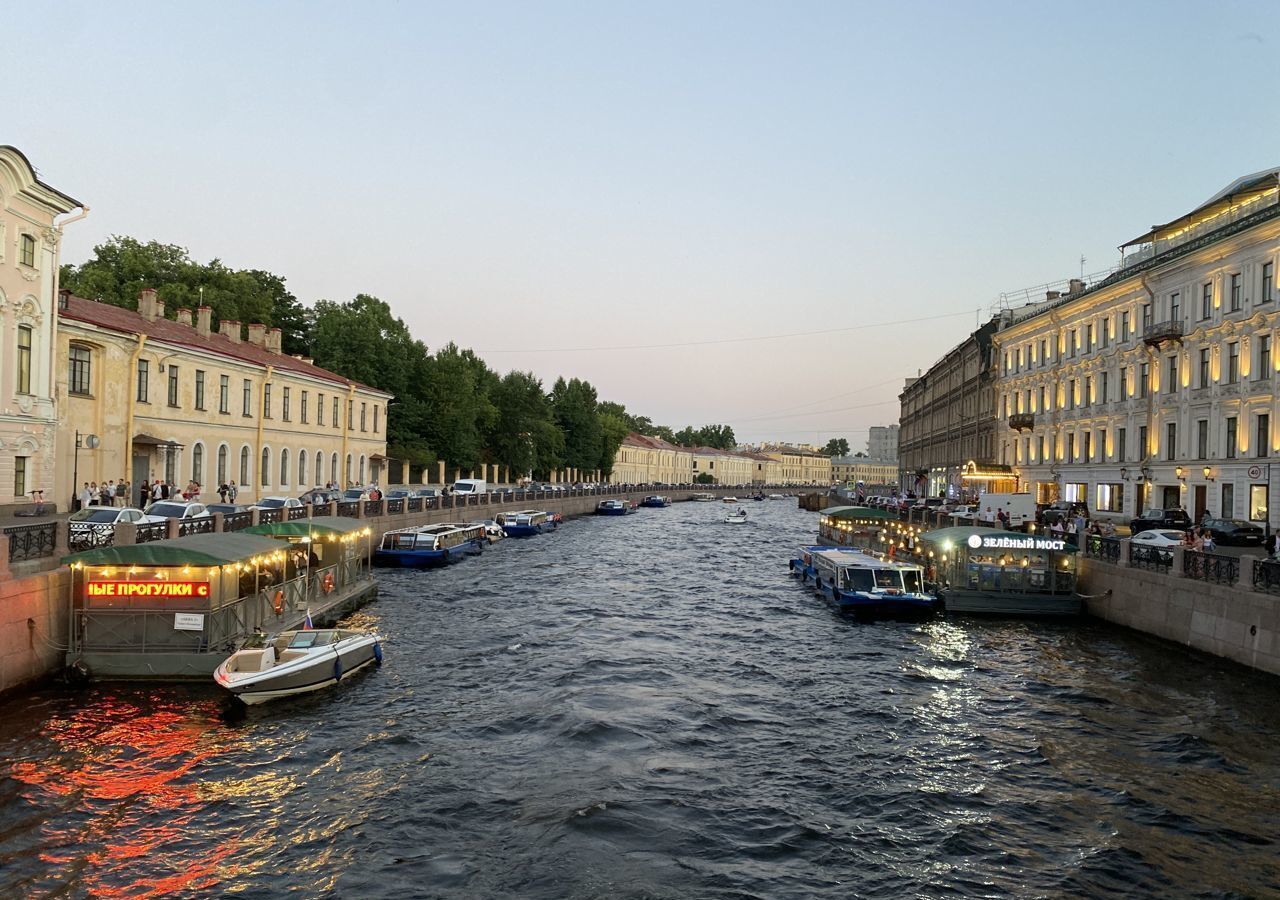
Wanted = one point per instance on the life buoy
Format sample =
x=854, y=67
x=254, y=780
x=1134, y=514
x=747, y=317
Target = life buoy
x=277, y=602
x=328, y=582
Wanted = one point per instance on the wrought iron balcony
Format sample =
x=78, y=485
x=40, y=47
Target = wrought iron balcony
x=1160, y=332
x=1022, y=421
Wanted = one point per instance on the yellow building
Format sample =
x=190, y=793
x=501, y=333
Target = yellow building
x=175, y=400
x=800, y=465
x=725, y=466
x=871, y=472
x=651, y=460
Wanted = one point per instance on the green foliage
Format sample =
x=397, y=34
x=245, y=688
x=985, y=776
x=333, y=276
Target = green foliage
x=574, y=405
x=836, y=447
x=718, y=436
x=455, y=390
x=704, y=478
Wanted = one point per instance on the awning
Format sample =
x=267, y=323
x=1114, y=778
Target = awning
x=857, y=513
x=317, y=526
x=959, y=535
x=194, y=550
x=146, y=440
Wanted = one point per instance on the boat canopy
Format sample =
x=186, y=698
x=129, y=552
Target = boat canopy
x=321, y=526
x=995, y=539
x=194, y=550
x=858, y=514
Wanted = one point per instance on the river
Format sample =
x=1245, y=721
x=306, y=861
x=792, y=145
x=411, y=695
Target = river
x=651, y=707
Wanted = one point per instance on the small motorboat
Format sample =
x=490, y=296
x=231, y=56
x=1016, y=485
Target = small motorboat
x=737, y=517
x=492, y=531
x=703, y=498
x=296, y=662
x=729, y=500
x=776, y=497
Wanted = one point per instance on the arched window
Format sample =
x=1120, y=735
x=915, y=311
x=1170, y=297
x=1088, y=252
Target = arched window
x=302, y=466
x=319, y=468
x=333, y=469
x=244, y=466
x=284, y=467
x=197, y=463
x=265, y=468
x=348, y=473
x=362, y=468
x=222, y=464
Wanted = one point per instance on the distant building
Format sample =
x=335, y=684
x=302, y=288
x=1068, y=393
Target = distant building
x=799, y=465
x=642, y=459
x=873, y=473
x=725, y=466
x=882, y=443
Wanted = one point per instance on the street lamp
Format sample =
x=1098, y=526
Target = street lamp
x=89, y=442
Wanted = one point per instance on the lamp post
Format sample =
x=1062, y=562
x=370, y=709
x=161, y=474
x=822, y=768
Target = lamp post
x=89, y=442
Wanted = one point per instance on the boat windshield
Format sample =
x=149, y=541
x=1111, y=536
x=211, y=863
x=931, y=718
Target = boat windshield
x=859, y=580
x=911, y=578
x=888, y=580
x=304, y=639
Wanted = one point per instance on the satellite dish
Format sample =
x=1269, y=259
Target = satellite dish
x=91, y=441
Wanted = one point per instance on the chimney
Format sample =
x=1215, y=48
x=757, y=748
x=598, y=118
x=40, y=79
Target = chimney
x=308, y=360
x=258, y=334
x=147, y=304
x=1052, y=295
x=204, y=319
x=273, y=340
x=184, y=316
x=230, y=328
x=1075, y=286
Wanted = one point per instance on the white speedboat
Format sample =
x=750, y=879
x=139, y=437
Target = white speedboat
x=729, y=499
x=492, y=530
x=775, y=497
x=737, y=517
x=704, y=498
x=296, y=662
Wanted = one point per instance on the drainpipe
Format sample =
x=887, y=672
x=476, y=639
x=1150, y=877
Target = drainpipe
x=346, y=423
x=133, y=400
x=262, y=422
x=1151, y=395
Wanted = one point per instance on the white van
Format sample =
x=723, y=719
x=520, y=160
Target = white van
x=470, y=486
x=1021, y=509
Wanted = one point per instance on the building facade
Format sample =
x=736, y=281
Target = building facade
x=178, y=401
x=948, y=439
x=1157, y=385
x=29, y=243
x=651, y=460
x=799, y=465
x=725, y=466
x=873, y=473
x=882, y=442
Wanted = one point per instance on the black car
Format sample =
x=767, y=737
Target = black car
x=1063, y=511
x=1234, y=532
x=1161, y=518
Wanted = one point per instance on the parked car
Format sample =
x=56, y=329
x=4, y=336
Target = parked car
x=355, y=494
x=94, y=526
x=964, y=515
x=1063, y=510
x=1156, y=537
x=1161, y=518
x=319, y=495
x=1234, y=532
x=227, y=508
x=176, y=509
x=278, y=503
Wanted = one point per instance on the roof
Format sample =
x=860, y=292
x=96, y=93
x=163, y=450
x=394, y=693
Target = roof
x=650, y=442
x=857, y=512
x=1244, y=186
x=318, y=525
x=127, y=321
x=31, y=173
x=194, y=550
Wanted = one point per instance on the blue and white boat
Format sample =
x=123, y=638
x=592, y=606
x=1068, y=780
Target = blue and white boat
x=868, y=585
x=657, y=501
x=423, y=546
x=526, y=522
x=613, y=508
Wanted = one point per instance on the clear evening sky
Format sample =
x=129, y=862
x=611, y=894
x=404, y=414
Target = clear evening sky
x=548, y=182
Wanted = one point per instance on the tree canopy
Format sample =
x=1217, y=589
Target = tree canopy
x=837, y=447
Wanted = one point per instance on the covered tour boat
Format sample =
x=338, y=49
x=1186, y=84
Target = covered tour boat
x=296, y=662
x=991, y=571
x=703, y=498
x=424, y=546
x=868, y=585
x=656, y=501
x=614, y=508
x=526, y=522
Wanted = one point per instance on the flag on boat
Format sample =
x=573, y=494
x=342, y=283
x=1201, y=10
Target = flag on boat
x=306, y=625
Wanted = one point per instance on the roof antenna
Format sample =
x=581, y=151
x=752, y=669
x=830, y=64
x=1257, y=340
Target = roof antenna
x=1082, y=267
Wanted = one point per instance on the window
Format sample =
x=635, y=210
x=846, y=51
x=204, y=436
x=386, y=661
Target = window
x=1232, y=423
x=1087, y=454
x=1262, y=437
x=348, y=471
x=1146, y=316
x=1044, y=353
x=1103, y=387
x=1175, y=306
x=1228, y=501
x=222, y=464
x=24, y=359
x=1043, y=458
x=284, y=466
x=1144, y=445
x=197, y=463
x=265, y=467
x=1233, y=362
x=376, y=408
x=244, y=465
x=1124, y=382
x=1071, y=342
x=1202, y=439
x=1110, y=498
x=1264, y=357
x=173, y=385
x=319, y=411
x=1071, y=394
x=302, y=466
x=351, y=415
x=363, y=410
x=1258, y=502
x=285, y=404
x=1089, y=338
x=248, y=398
x=304, y=414
x=1044, y=399
x=333, y=468
x=27, y=251
x=1170, y=440
x=199, y=389
x=1121, y=449
x=1124, y=326
x=20, y=476
x=1102, y=445
x=266, y=400
x=1268, y=282
x=1206, y=300
x=1071, y=448
x=335, y=415
x=79, y=371
x=319, y=468
x=1171, y=377
x=144, y=369
x=1204, y=367
x=1236, y=300
x=224, y=394
x=1087, y=398
x=1106, y=332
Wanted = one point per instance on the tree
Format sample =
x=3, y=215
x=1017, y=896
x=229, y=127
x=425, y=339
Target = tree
x=837, y=447
x=574, y=403
x=524, y=436
x=458, y=412
x=704, y=478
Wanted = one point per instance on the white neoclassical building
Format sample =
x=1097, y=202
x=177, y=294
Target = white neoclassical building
x=1156, y=386
x=29, y=240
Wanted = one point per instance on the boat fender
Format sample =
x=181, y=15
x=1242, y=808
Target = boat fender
x=337, y=668
x=377, y=652
x=277, y=602
x=328, y=582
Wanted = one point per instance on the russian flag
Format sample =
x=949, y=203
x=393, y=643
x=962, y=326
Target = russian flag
x=306, y=625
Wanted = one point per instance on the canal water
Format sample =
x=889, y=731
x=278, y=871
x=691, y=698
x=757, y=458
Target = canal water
x=650, y=706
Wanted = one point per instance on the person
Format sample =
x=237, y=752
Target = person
x=1204, y=519
x=144, y=494
x=122, y=492
x=1056, y=529
x=1071, y=532
x=157, y=491
x=222, y=492
x=86, y=496
x=1080, y=523
x=38, y=497
x=232, y=491
x=1208, y=545
x=166, y=490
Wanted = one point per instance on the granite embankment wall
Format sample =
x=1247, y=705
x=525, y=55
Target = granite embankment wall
x=1230, y=621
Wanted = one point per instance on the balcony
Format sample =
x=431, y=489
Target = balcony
x=1160, y=332
x=1022, y=421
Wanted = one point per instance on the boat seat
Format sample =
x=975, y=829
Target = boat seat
x=267, y=660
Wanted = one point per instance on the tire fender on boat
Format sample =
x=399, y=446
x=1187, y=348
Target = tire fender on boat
x=377, y=652
x=337, y=666
x=277, y=603
x=328, y=582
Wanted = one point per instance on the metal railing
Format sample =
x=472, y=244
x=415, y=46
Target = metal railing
x=1154, y=558
x=298, y=512
x=1210, y=567
x=151, y=531
x=32, y=541
x=373, y=507
x=198, y=525
x=414, y=504
x=90, y=535
x=349, y=508
x=1266, y=576
x=237, y=521
x=269, y=515
x=395, y=506
x=1106, y=549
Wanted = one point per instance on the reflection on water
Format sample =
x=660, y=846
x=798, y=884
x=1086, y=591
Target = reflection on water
x=650, y=707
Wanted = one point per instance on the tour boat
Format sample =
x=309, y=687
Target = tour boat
x=526, y=522
x=703, y=498
x=296, y=662
x=728, y=499
x=737, y=517
x=656, y=501
x=613, y=508
x=870, y=586
x=429, y=545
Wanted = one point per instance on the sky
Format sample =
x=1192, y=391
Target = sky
x=763, y=215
